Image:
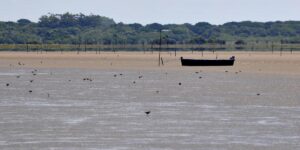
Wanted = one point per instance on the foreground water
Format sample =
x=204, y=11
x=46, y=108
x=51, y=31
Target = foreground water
x=59, y=109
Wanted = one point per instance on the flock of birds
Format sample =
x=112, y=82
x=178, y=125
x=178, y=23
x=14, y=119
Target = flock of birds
x=35, y=72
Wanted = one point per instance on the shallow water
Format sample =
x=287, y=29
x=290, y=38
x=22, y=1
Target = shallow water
x=217, y=111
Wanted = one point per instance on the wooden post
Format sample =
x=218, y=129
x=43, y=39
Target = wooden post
x=85, y=46
x=281, y=49
x=27, y=47
x=159, y=47
x=272, y=47
x=100, y=47
x=37, y=48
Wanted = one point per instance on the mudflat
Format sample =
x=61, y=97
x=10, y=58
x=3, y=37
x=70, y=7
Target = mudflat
x=99, y=101
x=251, y=62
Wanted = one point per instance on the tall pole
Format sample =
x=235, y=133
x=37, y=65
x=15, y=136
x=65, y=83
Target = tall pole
x=281, y=48
x=27, y=48
x=159, y=47
x=272, y=47
x=85, y=46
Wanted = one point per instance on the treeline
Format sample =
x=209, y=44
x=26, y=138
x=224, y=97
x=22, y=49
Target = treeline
x=94, y=29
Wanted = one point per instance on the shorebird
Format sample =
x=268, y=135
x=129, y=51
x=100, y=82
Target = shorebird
x=179, y=83
x=147, y=112
x=7, y=84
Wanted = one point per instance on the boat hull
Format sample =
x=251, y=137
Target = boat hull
x=196, y=62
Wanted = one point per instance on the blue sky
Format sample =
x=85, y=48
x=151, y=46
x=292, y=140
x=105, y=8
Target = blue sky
x=161, y=11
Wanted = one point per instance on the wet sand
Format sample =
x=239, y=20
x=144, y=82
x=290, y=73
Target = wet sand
x=90, y=101
x=250, y=62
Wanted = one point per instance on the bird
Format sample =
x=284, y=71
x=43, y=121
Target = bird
x=147, y=112
x=179, y=83
x=7, y=84
x=30, y=91
x=258, y=94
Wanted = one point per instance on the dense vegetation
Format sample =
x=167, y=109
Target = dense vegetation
x=94, y=29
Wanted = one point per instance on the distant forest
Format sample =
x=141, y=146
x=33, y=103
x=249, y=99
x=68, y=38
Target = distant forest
x=94, y=29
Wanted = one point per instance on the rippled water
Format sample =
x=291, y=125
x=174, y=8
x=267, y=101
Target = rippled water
x=217, y=111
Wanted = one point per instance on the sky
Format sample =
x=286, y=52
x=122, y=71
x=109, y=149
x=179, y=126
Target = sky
x=157, y=11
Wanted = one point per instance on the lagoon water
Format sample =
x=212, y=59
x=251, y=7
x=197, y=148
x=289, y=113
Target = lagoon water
x=217, y=111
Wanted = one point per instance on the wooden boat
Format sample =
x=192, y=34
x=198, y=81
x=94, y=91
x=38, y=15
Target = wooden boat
x=206, y=62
